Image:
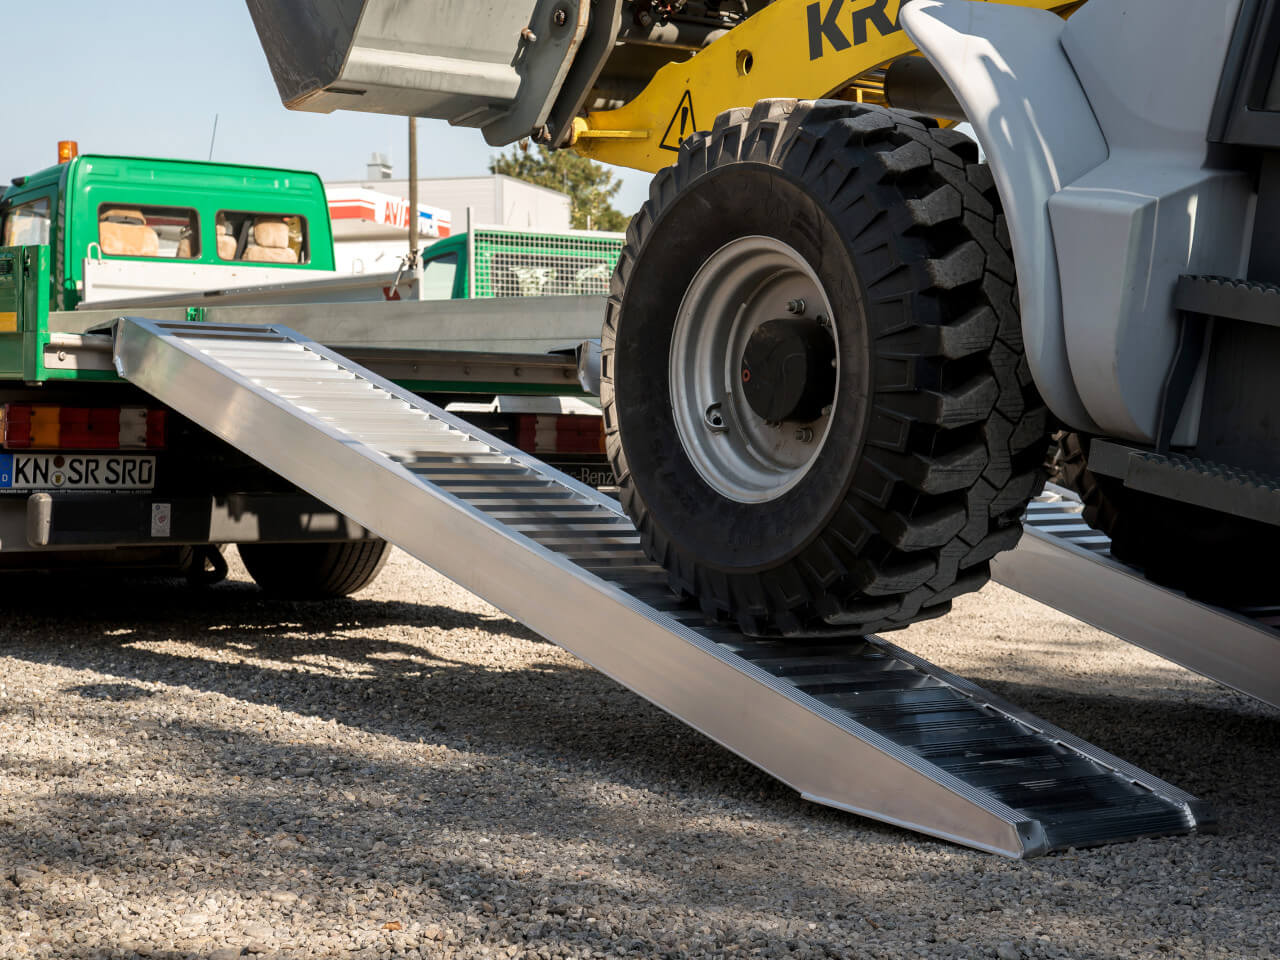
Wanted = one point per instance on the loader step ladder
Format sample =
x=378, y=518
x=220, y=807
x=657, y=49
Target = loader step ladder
x=858, y=724
x=1064, y=563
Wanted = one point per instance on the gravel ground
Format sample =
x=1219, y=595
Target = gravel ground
x=410, y=773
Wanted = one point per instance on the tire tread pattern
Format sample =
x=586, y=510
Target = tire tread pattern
x=956, y=439
x=315, y=571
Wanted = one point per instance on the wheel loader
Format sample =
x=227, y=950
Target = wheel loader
x=842, y=333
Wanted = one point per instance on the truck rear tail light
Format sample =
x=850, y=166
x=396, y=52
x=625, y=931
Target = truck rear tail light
x=39, y=426
x=17, y=426
x=155, y=429
x=560, y=433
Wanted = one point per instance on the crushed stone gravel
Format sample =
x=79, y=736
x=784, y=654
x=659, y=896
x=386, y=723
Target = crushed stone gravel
x=409, y=773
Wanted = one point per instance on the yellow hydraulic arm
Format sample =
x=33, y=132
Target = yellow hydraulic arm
x=791, y=48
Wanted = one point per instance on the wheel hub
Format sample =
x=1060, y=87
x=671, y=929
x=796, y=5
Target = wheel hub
x=753, y=395
x=788, y=370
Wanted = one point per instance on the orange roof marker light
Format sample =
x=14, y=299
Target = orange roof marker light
x=67, y=150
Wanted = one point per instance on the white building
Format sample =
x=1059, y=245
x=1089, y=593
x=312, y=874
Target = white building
x=370, y=228
x=494, y=199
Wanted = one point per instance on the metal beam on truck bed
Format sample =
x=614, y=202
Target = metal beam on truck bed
x=492, y=325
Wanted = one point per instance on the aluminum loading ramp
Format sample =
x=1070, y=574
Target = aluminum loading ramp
x=860, y=725
x=1064, y=563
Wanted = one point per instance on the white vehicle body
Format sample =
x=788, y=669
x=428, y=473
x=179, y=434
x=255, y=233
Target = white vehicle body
x=1095, y=131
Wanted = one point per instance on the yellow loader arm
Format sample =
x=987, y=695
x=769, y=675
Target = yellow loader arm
x=791, y=48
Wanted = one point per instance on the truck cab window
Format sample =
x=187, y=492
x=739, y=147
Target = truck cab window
x=261, y=237
x=437, y=277
x=27, y=223
x=129, y=230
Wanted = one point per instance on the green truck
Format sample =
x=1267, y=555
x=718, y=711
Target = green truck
x=119, y=226
x=94, y=473
x=137, y=230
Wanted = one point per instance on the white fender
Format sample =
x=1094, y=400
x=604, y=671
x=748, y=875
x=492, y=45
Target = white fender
x=1007, y=69
x=1156, y=209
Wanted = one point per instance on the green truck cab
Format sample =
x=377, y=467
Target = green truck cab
x=135, y=229
x=172, y=222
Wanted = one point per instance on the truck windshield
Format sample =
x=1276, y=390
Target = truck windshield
x=27, y=223
x=437, y=277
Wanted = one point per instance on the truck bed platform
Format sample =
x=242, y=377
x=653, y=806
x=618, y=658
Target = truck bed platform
x=857, y=724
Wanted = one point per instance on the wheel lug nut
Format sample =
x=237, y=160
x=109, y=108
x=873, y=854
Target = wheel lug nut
x=714, y=419
x=804, y=435
x=795, y=306
x=822, y=321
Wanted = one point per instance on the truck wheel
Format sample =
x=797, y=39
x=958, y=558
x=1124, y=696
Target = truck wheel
x=814, y=389
x=1102, y=496
x=314, y=571
x=1210, y=556
x=204, y=565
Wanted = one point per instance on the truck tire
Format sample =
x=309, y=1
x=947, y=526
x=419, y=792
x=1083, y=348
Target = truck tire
x=797, y=238
x=204, y=565
x=314, y=571
x=1100, y=495
x=1208, y=555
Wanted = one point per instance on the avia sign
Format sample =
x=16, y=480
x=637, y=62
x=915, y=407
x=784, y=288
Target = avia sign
x=358, y=212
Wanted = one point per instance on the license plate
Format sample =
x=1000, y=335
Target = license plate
x=76, y=471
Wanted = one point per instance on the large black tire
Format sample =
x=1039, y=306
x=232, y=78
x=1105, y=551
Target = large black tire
x=937, y=436
x=314, y=571
x=1102, y=496
x=1209, y=555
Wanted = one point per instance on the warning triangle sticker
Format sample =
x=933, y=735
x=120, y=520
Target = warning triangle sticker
x=682, y=124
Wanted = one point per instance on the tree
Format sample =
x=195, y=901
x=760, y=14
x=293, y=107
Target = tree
x=590, y=186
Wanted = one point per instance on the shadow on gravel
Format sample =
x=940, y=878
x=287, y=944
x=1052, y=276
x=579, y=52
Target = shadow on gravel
x=450, y=847
x=118, y=607
x=571, y=714
x=601, y=798
x=550, y=710
x=111, y=691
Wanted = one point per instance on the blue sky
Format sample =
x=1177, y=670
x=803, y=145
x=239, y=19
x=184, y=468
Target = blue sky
x=147, y=78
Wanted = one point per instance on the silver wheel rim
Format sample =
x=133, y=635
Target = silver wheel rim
x=744, y=284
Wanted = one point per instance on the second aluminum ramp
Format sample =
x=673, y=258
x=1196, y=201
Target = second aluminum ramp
x=860, y=724
x=1064, y=563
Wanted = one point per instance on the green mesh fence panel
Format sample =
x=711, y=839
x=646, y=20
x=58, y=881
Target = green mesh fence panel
x=511, y=263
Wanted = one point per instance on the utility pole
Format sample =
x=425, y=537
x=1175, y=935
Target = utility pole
x=413, y=191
